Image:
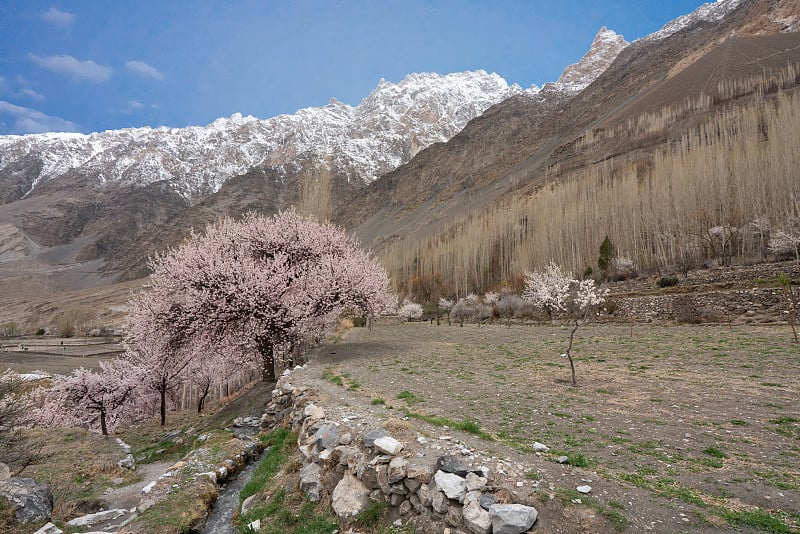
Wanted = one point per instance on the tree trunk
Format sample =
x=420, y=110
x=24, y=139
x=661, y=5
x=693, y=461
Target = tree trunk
x=569, y=352
x=267, y=361
x=163, y=405
x=103, y=426
x=202, y=397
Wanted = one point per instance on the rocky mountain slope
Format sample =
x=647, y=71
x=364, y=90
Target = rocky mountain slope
x=106, y=201
x=517, y=146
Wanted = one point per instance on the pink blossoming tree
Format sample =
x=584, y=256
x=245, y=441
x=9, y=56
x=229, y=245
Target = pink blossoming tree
x=104, y=399
x=251, y=286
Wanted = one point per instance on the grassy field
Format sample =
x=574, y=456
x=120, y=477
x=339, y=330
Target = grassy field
x=703, y=417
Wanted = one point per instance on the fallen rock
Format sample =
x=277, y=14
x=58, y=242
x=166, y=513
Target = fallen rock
x=398, y=468
x=439, y=502
x=314, y=412
x=454, y=517
x=5, y=471
x=49, y=528
x=451, y=464
x=250, y=503
x=476, y=519
x=99, y=517
x=127, y=463
x=487, y=500
x=311, y=482
x=475, y=482
x=452, y=485
x=584, y=489
x=327, y=436
x=389, y=445
x=540, y=447
x=33, y=501
x=512, y=518
x=372, y=435
x=350, y=497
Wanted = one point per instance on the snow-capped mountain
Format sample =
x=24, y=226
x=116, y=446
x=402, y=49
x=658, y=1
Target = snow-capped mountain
x=605, y=48
x=363, y=142
x=392, y=124
x=708, y=12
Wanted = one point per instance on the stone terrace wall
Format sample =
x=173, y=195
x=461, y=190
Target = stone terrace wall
x=721, y=295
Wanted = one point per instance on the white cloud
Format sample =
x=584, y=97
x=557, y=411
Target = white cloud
x=56, y=17
x=30, y=93
x=27, y=120
x=133, y=105
x=65, y=64
x=144, y=70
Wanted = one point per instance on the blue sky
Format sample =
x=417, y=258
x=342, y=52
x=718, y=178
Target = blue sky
x=97, y=65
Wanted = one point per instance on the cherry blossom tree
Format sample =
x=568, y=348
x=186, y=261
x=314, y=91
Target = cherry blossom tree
x=162, y=343
x=254, y=285
x=87, y=399
x=410, y=310
x=444, y=304
x=557, y=292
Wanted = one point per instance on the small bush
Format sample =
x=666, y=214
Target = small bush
x=577, y=459
x=409, y=397
x=667, y=281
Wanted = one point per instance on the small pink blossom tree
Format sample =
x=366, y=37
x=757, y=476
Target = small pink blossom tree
x=558, y=293
x=161, y=345
x=90, y=399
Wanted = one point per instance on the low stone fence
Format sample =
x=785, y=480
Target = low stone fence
x=354, y=465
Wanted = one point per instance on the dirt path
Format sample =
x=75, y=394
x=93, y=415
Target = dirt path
x=127, y=497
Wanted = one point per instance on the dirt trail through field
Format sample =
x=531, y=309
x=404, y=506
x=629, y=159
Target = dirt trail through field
x=127, y=497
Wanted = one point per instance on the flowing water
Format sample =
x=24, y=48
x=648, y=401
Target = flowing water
x=220, y=519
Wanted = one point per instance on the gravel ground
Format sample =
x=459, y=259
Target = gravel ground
x=680, y=428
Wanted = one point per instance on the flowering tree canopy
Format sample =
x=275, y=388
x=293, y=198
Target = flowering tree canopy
x=557, y=292
x=87, y=399
x=252, y=285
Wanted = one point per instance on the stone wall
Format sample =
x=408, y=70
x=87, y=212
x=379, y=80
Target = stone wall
x=354, y=464
x=741, y=294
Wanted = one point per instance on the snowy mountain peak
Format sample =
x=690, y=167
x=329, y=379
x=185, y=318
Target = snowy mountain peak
x=711, y=11
x=392, y=124
x=606, y=46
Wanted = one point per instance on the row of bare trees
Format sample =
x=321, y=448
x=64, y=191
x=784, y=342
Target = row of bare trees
x=725, y=191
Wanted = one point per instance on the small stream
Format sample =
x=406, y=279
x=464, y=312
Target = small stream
x=220, y=519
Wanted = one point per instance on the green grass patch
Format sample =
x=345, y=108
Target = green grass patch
x=289, y=514
x=410, y=398
x=578, y=459
x=378, y=401
x=371, y=517
x=280, y=443
x=667, y=487
x=714, y=452
x=758, y=519
x=465, y=425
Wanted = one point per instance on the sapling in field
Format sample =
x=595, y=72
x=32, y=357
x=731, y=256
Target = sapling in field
x=558, y=293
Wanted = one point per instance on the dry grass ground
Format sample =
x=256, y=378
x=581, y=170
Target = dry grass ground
x=705, y=419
